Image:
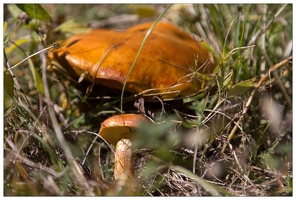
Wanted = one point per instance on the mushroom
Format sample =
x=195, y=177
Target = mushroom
x=169, y=65
x=118, y=130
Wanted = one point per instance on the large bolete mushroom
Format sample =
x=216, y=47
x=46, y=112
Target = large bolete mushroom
x=118, y=131
x=167, y=63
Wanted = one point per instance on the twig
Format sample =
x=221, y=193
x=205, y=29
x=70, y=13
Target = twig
x=34, y=54
x=256, y=87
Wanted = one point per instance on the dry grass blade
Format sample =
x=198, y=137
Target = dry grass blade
x=70, y=158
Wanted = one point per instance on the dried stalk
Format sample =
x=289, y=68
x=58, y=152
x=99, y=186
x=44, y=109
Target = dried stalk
x=256, y=87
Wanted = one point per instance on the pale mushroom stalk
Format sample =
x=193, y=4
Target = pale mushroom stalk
x=124, y=162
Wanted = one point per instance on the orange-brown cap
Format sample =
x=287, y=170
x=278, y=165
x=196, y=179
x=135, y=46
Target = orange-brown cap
x=166, y=65
x=120, y=127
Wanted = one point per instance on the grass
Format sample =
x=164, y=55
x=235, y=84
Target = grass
x=236, y=140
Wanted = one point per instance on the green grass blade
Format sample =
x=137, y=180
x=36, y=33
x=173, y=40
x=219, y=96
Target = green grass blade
x=37, y=77
x=139, y=51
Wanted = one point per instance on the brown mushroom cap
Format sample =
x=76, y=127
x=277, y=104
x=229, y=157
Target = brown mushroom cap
x=120, y=127
x=166, y=60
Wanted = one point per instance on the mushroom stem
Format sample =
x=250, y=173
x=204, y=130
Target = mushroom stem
x=124, y=163
x=119, y=130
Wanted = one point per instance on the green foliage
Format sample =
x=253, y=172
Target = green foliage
x=241, y=87
x=37, y=77
x=8, y=92
x=35, y=11
x=157, y=137
x=72, y=27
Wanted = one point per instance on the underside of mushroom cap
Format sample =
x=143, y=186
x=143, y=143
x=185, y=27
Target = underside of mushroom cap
x=120, y=127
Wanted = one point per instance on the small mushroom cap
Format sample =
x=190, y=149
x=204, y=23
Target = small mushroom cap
x=120, y=127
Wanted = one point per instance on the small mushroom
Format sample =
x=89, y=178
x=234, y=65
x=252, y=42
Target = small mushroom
x=169, y=66
x=118, y=131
